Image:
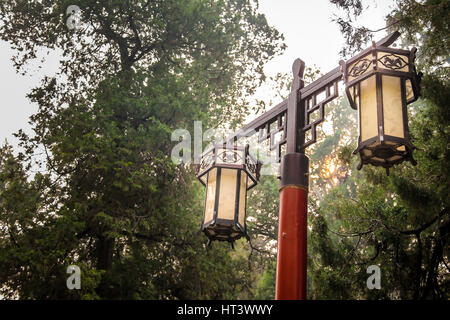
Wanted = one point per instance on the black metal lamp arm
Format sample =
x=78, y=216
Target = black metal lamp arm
x=293, y=116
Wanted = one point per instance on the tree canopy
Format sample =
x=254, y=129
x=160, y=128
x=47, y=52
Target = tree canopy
x=107, y=196
x=400, y=223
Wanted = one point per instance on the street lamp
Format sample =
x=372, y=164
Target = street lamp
x=380, y=82
x=227, y=173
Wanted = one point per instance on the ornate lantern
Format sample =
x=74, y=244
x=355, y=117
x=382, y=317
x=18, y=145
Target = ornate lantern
x=380, y=82
x=227, y=174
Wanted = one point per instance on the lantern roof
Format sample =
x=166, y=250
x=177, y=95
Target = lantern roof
x=234, y=157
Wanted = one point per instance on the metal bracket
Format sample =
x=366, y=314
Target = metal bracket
x=311, y=106
x=273, y=122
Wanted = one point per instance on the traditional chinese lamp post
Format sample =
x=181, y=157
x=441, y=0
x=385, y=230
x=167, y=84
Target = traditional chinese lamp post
x=380, y=82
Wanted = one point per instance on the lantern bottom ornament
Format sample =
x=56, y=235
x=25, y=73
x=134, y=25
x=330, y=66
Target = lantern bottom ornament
x=385, y=153
x=225, y=231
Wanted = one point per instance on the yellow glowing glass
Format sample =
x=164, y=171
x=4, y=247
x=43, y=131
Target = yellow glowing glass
x=392, y=106
x=368, y=109
x=210, y=195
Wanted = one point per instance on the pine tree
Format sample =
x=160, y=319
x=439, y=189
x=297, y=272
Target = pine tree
x=109, y=198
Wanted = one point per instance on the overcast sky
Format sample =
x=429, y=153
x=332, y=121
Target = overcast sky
x=310, y=33
x=306, y=24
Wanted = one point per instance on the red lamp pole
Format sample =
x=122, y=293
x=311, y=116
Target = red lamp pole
x=292, y=229
x=292, y=226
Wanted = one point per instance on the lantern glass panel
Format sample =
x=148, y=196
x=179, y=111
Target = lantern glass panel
x=206, y=162
x=351, y=92
x=392, y=106
x=409, y=90
x=242, y=198
x=394, y=158
x=368, y=109
x=227, y=195
x=354, y=94
x=210, y=195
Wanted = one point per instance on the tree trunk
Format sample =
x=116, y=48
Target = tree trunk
x=105, y=248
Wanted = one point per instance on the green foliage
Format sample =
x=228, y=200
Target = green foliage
x=422, y=23
x=400, y=222
x=266, y=284
x=110, y=199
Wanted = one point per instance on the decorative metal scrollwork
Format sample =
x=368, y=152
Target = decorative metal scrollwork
x=270, y=130
x=207, y=161
x=360, y=67
x=229, y=156
x=251, y=165
x=312, y=105
x=393, y=61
